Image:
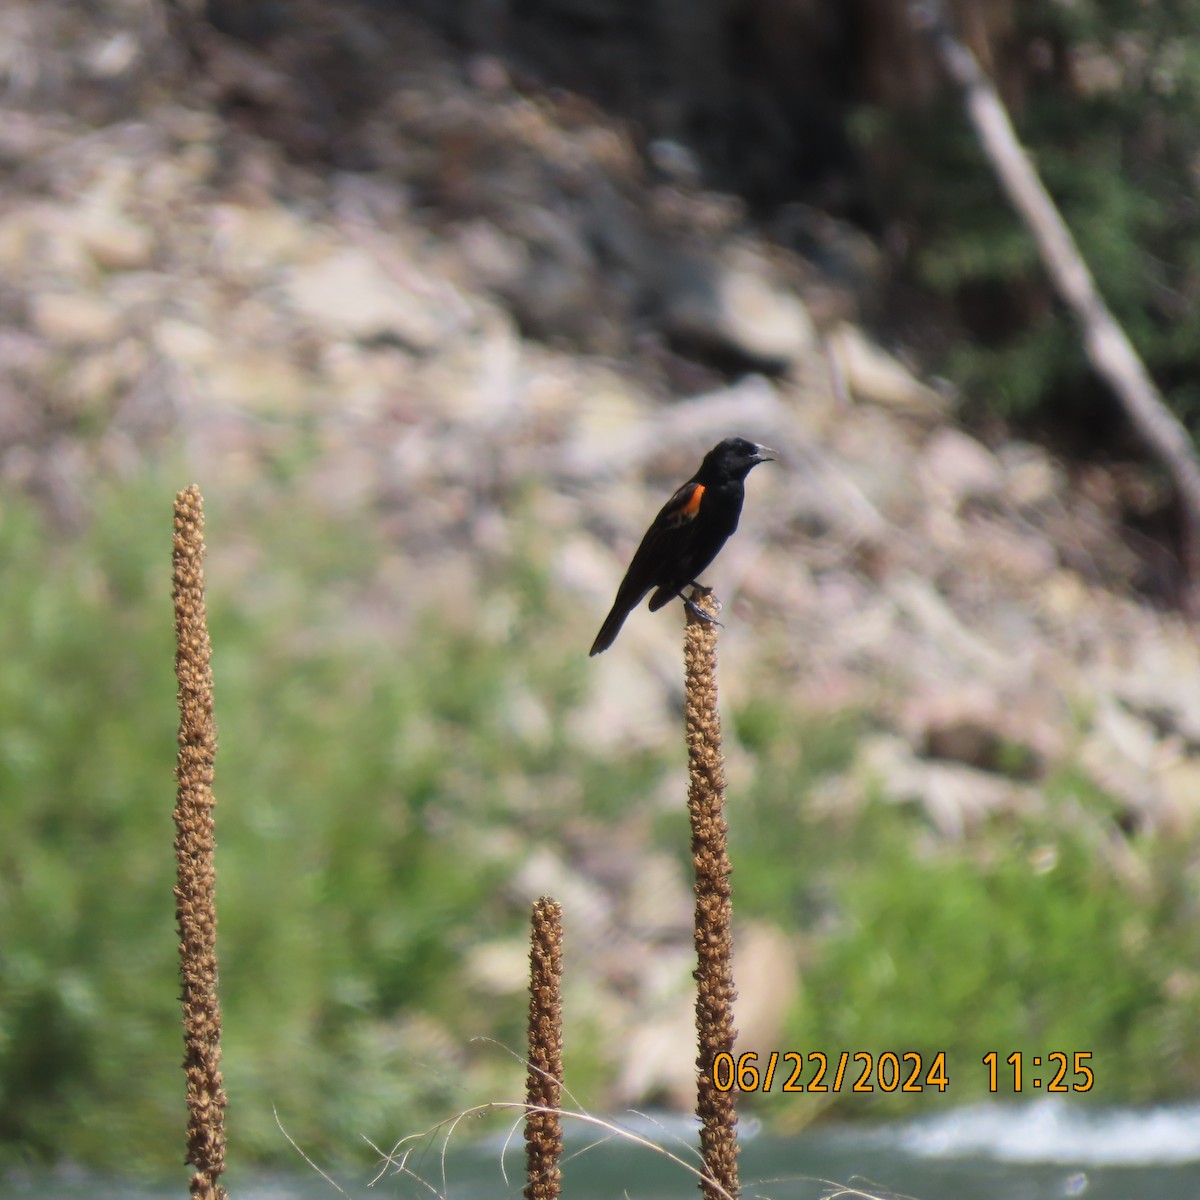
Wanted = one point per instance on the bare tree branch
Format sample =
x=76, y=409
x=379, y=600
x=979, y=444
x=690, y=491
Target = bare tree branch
x=1108, y=348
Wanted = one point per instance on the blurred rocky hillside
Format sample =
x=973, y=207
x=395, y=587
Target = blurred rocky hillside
x=494, y=305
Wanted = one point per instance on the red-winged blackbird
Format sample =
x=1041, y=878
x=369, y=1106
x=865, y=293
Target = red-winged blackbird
x=687, y=534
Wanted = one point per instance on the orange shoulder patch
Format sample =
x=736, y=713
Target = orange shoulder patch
x=688, y=505
x=692, y=507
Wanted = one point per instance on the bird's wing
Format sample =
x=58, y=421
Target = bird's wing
x=682, y=507
x=665, y=541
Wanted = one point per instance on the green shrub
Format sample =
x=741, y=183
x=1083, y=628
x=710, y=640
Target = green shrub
x=1024, y=937
x=361, y=820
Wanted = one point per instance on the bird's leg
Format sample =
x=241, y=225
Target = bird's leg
x=695, y=609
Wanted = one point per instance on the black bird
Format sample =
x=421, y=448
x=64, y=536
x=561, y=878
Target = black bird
x=687, y=534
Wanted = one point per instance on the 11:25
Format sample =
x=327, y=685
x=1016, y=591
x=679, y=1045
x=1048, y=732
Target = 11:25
x=1064, y=1072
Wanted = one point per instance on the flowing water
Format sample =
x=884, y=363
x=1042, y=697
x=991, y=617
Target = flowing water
x=1036, y=1151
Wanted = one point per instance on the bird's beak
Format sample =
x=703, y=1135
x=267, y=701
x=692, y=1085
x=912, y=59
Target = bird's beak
x=764, y=454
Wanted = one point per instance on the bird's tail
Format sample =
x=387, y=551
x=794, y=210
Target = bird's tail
x=611, y=627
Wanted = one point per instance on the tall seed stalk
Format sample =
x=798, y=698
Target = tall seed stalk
x=543, y=1091
x=195, y=888
x=714, y=900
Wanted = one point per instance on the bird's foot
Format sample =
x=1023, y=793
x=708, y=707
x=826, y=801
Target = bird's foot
x=695, y=609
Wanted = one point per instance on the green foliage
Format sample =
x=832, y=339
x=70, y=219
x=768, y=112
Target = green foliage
x=770, y=839
x=1111, y=128
x=363, y=828
x=1023, y=938
x=1053, y=931
x=376, y=789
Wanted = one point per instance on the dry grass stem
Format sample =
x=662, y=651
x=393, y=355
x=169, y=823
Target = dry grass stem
x=543, y=1091
x=195, y=889
x=714, y=904
x=396, y=1160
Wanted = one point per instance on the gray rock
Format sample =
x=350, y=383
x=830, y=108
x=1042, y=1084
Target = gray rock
x=350, y=295
x=872, y=374
x=736, y=310
x=115, y=242
x=73, y=318
x=957, y=468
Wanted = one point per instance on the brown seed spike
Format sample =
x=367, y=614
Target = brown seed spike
x=543, y=1091
x=195, y=889
x=714, y=899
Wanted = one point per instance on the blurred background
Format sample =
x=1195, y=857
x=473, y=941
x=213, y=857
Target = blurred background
x=437, y=303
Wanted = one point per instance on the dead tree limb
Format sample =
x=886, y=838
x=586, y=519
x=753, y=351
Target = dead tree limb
x=1108, y=348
